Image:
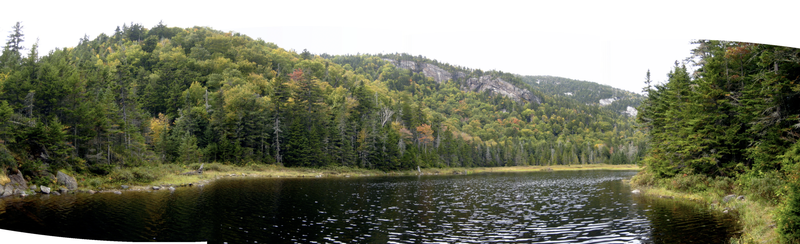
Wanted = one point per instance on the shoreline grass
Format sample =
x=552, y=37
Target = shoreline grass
x=552, y=168
x=755, y=217
x=140, y=178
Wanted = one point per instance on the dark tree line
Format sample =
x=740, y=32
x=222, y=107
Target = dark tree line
x=737, y=117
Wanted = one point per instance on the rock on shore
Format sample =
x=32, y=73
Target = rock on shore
x=66, y=180
x=18, y=182
x=8, y=190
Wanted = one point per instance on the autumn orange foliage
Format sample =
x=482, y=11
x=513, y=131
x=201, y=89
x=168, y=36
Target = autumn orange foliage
x=296, y=75
x=425, y=133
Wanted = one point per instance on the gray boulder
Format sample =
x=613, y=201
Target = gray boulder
x=66, y=180
x=45, y=190
x=33, y=187
x=18, y=182
x=740, y=198
x=56, y=193
x=124, y=187
x=8, y=190
x=637, y=191
x=728, y=198
x=156, y=188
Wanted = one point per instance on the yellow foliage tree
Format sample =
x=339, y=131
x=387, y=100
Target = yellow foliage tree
x=158, y=126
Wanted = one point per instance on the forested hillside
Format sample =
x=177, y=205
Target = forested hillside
x=586, y=92
x=732, y=125
x=172, y=95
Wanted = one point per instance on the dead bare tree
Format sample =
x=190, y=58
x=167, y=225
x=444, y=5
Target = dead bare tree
x=385, y=115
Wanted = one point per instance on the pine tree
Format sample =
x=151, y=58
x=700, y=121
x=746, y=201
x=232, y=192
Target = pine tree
x=189, y=153
x=15, y=39
x=297, y=145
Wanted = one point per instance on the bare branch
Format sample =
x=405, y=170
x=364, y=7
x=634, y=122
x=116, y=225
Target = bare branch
x=386, y=115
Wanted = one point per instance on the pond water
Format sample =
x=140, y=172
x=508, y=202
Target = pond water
x=545, y=207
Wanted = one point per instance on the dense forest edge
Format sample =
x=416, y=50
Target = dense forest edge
x=729, y=128
x=143, y=104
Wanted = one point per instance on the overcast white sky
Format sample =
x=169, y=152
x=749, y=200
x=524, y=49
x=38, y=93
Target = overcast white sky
x=609, y=42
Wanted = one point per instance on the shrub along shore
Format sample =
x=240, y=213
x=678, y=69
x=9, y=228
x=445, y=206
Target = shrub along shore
x=755, y=209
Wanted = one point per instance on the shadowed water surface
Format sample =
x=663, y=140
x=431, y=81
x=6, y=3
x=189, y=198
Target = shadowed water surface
x=545, y=207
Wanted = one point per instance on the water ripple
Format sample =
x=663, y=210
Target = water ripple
x=545, y=207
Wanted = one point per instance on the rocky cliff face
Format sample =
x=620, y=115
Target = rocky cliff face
x=438, y=74
x=486, y=82
x=631, y=111
x=607, y=101
x=499, y=86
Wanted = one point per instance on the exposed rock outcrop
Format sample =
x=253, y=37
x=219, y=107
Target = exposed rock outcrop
x=486, y=82
x=433, y=71
x=607, y=101
x=45, y=190
x=499, y=86
x=404, y=64
x=18, y=182
x=437, y=74
x=631, y=111
x=8, y=190
x=68, y=181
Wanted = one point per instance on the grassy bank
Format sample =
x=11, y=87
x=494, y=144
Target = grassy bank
x=756, y=214
x=551, y=168
x=171, y=174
